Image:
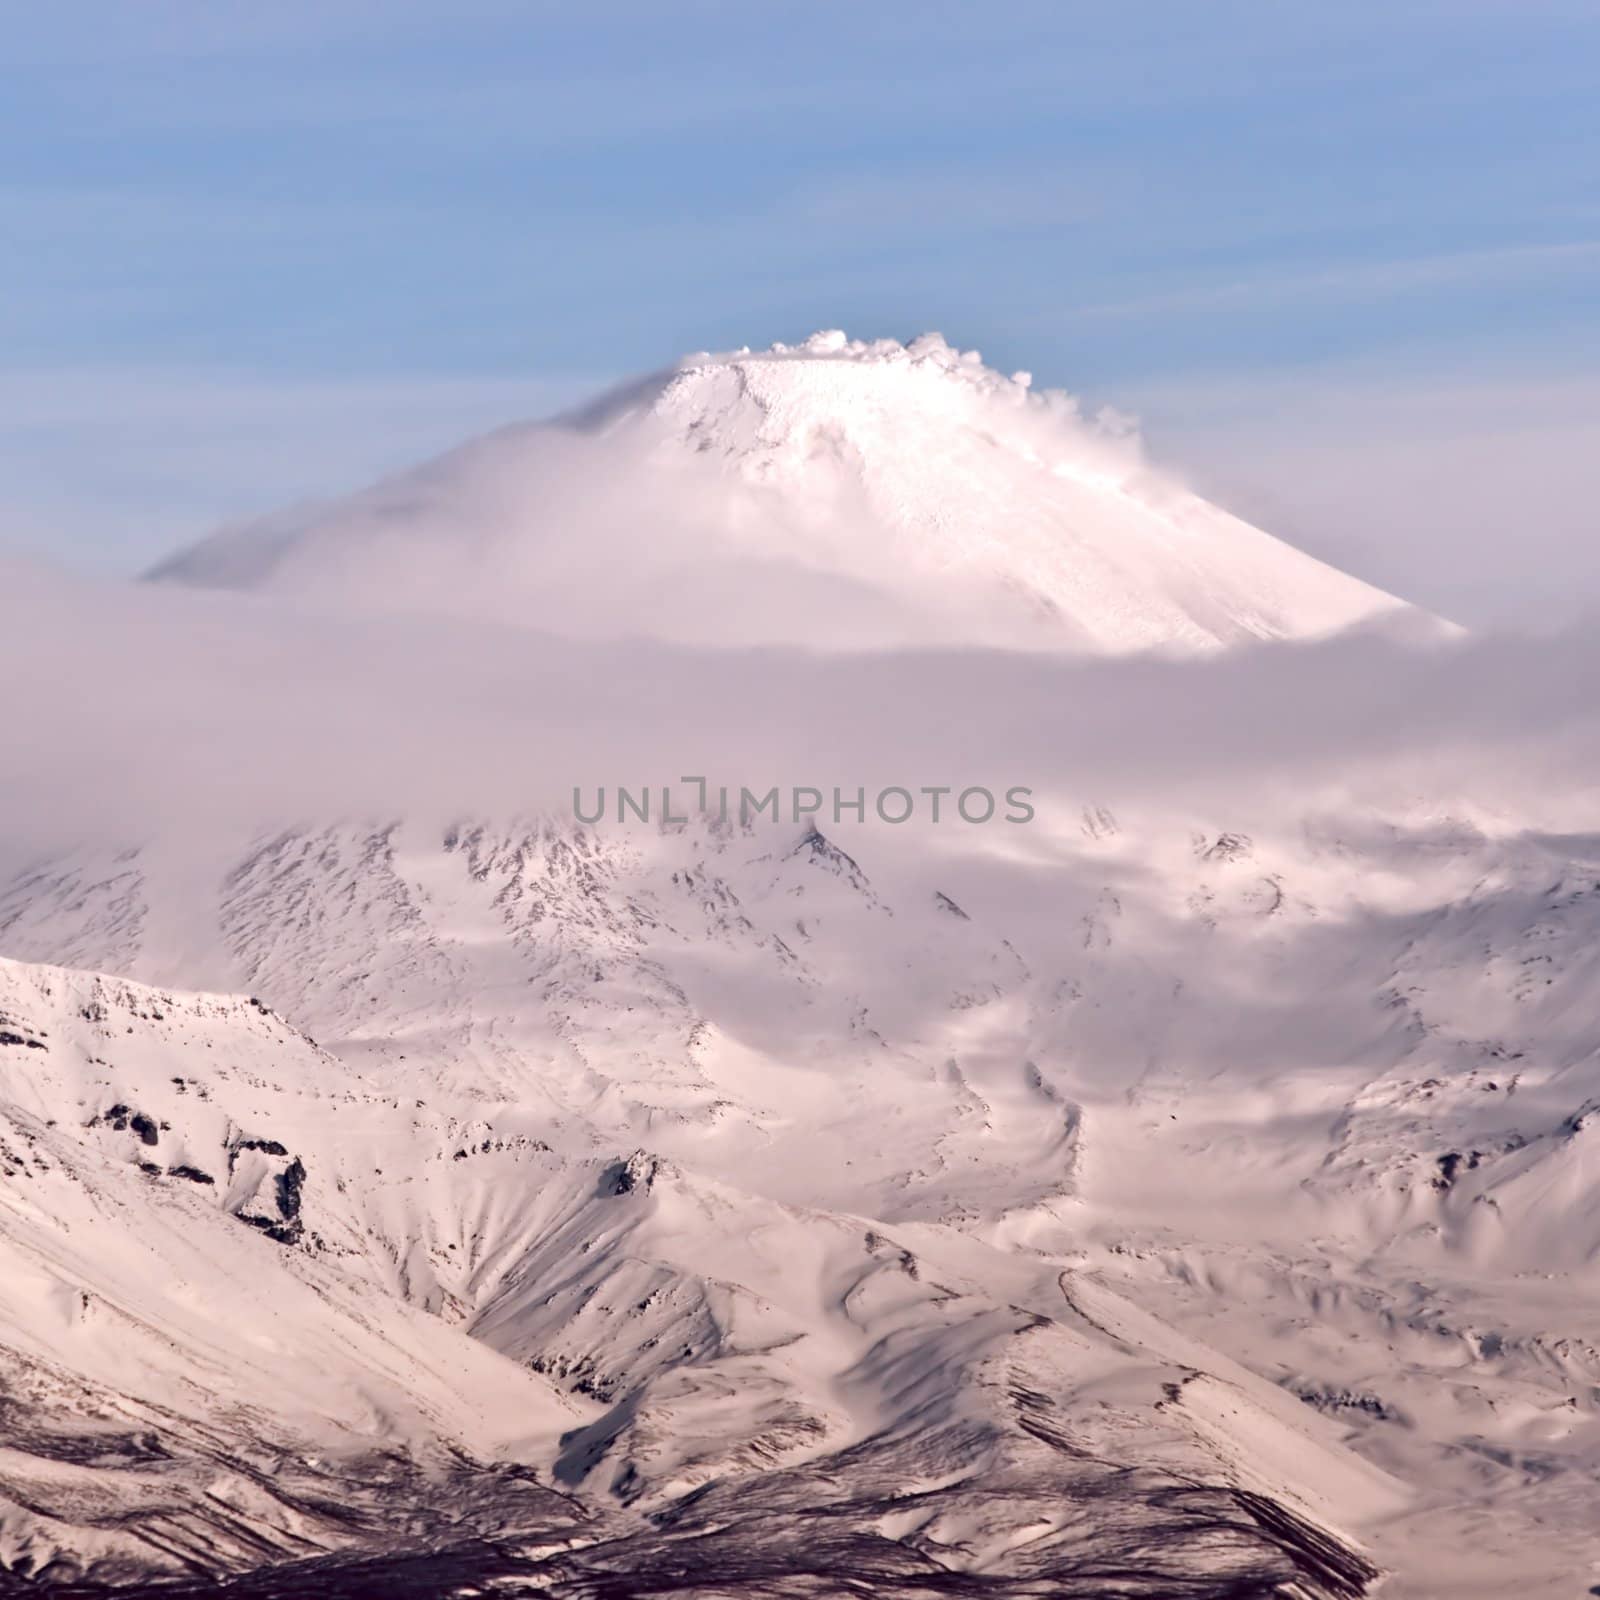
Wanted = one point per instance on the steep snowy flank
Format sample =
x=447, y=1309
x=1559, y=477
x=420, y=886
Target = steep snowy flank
x=196, y=1372
x=838, y=493
x=754, y=1148
x=407, y=1187
x=261, y=1311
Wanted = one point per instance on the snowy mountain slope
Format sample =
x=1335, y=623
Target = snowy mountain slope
x=1198, y=1200
x=1322, y=1096
x=714, y=992
x=191, y=1375
x=832, y=493
x=721, y=991
x=260, y=1309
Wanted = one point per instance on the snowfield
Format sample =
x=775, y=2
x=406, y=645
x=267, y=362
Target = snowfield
x=836, y=493
x=1195, y=1196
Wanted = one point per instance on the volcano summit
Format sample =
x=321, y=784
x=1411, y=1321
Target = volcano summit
x=835, y=493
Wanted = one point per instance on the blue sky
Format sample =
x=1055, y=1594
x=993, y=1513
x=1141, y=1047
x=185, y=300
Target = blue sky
x=256, y=252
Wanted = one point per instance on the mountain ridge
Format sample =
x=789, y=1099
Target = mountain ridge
x=833, y=493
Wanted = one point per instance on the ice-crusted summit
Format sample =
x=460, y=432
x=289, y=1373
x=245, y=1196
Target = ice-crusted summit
x=828, y=369
x=838, y=492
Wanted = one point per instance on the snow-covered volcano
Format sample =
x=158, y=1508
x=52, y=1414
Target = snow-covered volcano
x=1190, y=1194
x=837, y=493
x=710, y=1194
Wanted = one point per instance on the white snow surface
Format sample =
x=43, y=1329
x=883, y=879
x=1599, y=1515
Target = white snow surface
x=720, y=1158
x=1192, y=1194
x=837, y=493
x=265, y=1303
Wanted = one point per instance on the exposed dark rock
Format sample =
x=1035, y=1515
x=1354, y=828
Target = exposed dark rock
x=291, y=1181
x=269, y=1147
x=637, y=1172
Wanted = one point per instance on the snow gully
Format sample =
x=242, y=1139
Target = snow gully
x=893, y=804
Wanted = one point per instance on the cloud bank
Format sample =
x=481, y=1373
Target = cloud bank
x=136, y=711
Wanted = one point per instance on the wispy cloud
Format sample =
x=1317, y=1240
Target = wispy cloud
x=1097, y=194
x=1354, y=280
x=215, y=708
x=118, y=466
x=1472, y=490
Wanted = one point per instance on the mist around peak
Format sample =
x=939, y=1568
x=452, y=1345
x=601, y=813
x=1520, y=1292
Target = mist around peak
x=837, y=494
